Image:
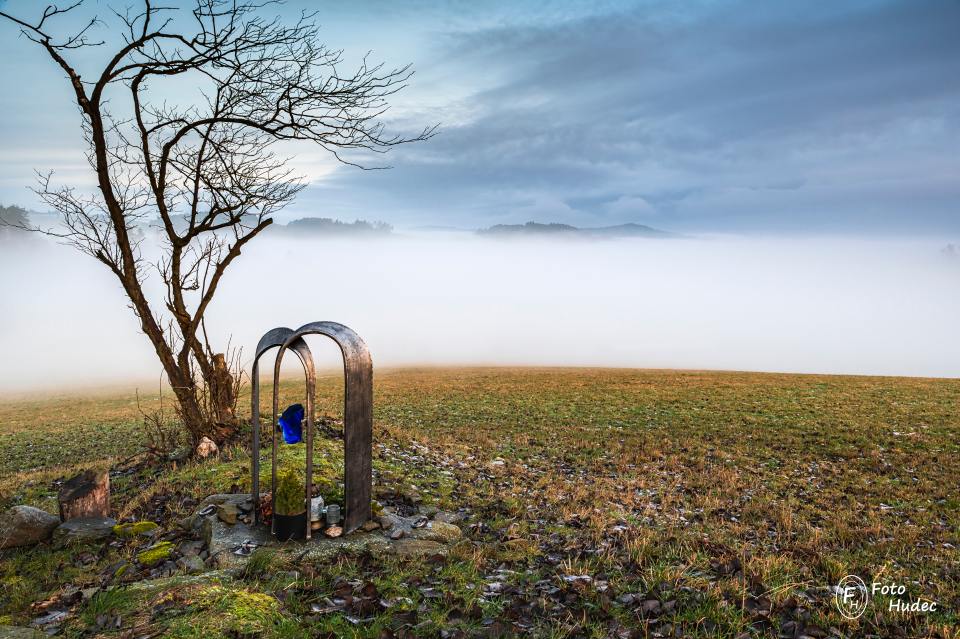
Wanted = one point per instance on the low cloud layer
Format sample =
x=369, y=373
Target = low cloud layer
x=830, y=305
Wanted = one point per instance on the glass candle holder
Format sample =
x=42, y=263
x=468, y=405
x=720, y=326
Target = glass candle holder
x=333, y=514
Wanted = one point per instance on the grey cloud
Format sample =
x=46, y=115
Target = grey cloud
x=770, y=98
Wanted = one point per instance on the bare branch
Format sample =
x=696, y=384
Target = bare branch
x=202, y=175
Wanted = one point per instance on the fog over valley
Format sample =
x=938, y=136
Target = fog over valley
x=798, y=304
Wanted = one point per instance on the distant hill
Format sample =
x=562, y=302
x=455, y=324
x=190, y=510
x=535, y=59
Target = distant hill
x=554, y=229
x=12, y=217
x=331, y=227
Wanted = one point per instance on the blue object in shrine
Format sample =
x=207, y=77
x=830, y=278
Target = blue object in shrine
x=291, y=424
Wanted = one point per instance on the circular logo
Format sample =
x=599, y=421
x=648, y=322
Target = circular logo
x=852, y=596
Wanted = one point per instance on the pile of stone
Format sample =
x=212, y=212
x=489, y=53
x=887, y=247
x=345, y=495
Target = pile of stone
x=84, y=504
x=222, y=522
x=164, y=554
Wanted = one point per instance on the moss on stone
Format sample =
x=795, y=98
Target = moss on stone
x=155, y=554
x=438, y=531
x=132, y=529
x=236, y=612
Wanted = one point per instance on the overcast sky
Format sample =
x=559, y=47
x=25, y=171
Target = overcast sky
x=697, y=117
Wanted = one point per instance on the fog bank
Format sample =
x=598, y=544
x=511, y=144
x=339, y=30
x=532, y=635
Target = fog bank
x=816, y=305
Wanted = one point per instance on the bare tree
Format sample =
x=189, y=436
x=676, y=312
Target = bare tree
x=206, y=172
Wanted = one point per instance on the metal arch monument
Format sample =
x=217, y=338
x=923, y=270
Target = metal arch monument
x=357, y=415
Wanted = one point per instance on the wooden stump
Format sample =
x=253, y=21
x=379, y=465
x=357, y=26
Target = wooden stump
x=86, y=495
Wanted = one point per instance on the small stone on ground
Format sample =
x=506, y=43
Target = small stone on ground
x=83, y=531
x=206, y=448
x=228, y=512
x=437, y=531
x=191, y=565
x=448, y=517
x=26, y=525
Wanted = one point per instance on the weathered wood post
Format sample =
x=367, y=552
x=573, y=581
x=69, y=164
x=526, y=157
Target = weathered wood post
x=86, y=495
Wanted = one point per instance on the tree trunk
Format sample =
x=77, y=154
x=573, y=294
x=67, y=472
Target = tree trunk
x=216, y=420
x=223, y=392
x=86, y=495
x=189, y=409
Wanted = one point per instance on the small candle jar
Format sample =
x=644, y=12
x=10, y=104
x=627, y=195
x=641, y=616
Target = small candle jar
x=333, y=514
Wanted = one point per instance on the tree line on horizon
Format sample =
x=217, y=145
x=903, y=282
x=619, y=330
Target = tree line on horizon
x=13, y=220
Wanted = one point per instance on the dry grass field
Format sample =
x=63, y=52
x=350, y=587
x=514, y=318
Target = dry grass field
x=599, y=503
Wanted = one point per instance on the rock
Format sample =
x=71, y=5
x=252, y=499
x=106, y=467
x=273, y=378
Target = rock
x=19, y=632
x=26, y=525
x=206, y=448
x=437, y=531
x=133, y=529
x=333, y=531
x=83, y=531
x=369, y=526
x=116, y=570
x=387, y=521
x=191, y=565
x=166, y=569
x=191, y=548
x=448, y=517
x=428, y=511
x=397, y=534
x=155, y=554
x=417, y=548
x=227, y=512
x=242, y=501
x=323, y=550
x=189, y=522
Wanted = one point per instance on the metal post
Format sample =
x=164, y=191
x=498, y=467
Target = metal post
x=357, y=417
x=271, y=339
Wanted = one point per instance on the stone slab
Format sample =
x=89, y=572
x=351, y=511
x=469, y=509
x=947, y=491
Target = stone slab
x=85, y=530
x=222, y=539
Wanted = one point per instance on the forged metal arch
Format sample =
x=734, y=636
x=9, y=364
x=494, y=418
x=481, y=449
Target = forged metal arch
x=274, y=338
x=357, y=418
